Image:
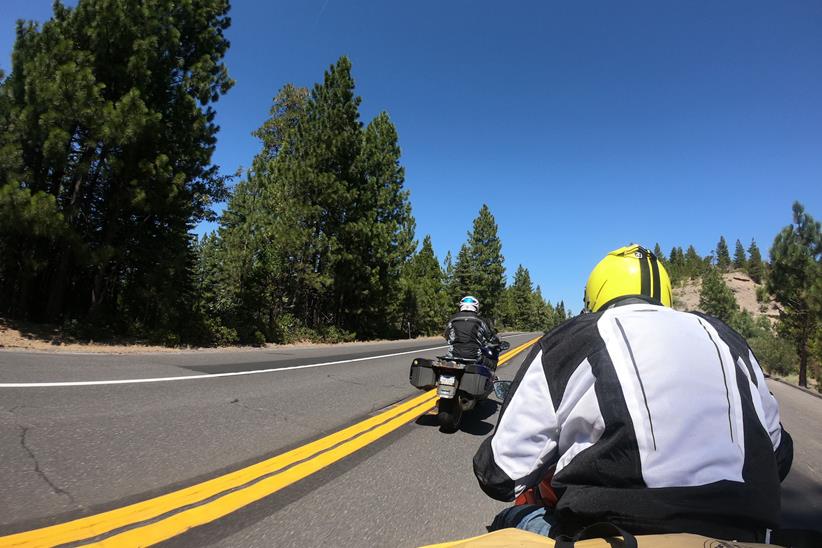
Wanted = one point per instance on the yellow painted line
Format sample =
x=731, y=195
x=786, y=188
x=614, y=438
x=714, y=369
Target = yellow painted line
x=99, y=524
x=511, y=353
x=316, y=455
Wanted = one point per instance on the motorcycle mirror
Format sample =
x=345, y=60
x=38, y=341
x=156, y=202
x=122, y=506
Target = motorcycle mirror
x=504, y=345
x=501, y=389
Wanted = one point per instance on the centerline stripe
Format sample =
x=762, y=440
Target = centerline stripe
x=276, y=473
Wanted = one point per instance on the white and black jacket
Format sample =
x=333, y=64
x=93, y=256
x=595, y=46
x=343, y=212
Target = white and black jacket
x=656, y=420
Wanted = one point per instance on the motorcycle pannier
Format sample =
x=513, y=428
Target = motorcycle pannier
x=422, y=374
x=475, y=383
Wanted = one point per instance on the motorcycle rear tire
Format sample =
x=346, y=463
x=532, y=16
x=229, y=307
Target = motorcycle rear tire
x=449, y=414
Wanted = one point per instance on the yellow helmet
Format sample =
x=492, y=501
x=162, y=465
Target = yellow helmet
x=628, y=271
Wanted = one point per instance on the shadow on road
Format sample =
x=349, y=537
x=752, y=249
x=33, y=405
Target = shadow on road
x=801, y=502
x=473, y=422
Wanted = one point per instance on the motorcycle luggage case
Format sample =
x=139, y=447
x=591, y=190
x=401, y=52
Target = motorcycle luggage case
x=476, y=381
x=422, y=374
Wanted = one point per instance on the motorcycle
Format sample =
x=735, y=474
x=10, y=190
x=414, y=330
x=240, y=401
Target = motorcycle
x=460, y=383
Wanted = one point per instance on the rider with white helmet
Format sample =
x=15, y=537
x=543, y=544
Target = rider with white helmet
x=468, y=333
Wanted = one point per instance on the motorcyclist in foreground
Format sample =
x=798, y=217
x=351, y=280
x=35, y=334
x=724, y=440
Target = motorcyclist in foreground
x=468, y=334
x=655, y=420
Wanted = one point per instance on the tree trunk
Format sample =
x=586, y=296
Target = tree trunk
x=803, y=365
x=55, y=303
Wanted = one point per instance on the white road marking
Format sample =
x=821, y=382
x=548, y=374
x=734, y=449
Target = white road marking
x=213, y=376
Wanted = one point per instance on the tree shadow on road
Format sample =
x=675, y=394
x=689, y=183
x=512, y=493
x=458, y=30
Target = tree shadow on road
x=801, y=501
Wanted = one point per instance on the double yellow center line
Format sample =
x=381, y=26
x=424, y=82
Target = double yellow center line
x=160, y=518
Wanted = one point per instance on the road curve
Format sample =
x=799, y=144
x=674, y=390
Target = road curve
x=75, y=451
x=72, y=451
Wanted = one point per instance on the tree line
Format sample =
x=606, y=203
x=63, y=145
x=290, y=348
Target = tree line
x=792, y=278
x=106, y=137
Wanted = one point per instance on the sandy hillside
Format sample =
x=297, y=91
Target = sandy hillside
x=686, y=297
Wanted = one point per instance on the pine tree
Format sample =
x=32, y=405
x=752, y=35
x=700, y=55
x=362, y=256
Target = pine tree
x=485, y=255
x=676, y=265
x=693, y=264
x=320, y=233
x=796, y=266
x=523, y=305
x=465, y=279
x=740, y=261
x=659, y=254
x=723, y=258
x=424, y=296
x=560, y=315
x=252, y=286
x=545, y=312
x=450, y=284
x=755, y=268
x=378, y=233
x=715, y=297
x=108, y=109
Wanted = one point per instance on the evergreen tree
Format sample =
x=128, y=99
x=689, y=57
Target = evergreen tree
x=560, y=315
x=450, y=283
x=424, y=297
x=796, y=267
x=715, y=297
x=108, y=110
x=319, y=235
x=740, y=261
x=723, y=258
x=251, y=286
x=378, y=233
x=286, y=112
x=505, y=311
x=524, y=307
x=659, y=254
x=755, y=268
x=465, y=280
x=486, y=260
x=693, y=264
x=676, y=265
x=545, y=312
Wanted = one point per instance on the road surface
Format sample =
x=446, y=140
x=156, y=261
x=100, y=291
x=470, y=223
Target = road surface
x=99, y=433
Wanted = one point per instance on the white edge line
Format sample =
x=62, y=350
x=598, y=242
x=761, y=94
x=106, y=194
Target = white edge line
x=212, y=376
x=215, y=375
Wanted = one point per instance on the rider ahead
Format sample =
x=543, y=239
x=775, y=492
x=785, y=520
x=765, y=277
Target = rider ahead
x=468, y=334
x=654, y=420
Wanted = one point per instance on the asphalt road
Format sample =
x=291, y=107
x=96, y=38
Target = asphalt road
x=71, y=451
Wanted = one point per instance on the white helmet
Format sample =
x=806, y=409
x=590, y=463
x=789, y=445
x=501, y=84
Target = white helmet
x=469, y=303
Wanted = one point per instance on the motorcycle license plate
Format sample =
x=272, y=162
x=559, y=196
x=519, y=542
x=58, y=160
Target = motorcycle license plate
x=448, y=380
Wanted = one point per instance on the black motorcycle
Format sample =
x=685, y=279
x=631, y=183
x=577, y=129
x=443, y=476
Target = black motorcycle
x=460, y=383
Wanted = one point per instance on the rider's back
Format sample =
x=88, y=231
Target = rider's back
x=665, y=424
x=465, y=332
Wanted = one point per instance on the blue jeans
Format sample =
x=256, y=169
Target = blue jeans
x=528, y=517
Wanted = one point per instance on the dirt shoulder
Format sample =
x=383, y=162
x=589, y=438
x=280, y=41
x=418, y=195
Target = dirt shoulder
x=34, y=337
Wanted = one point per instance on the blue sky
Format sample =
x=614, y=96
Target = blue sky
x=583, y=125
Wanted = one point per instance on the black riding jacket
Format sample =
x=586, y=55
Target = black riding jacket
x=466, y=332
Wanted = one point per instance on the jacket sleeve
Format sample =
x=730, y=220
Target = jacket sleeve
x=781, y=440
x=493, y=337
x=524, y=444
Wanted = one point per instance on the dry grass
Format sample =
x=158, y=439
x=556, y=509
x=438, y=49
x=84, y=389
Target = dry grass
x=51, y=338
